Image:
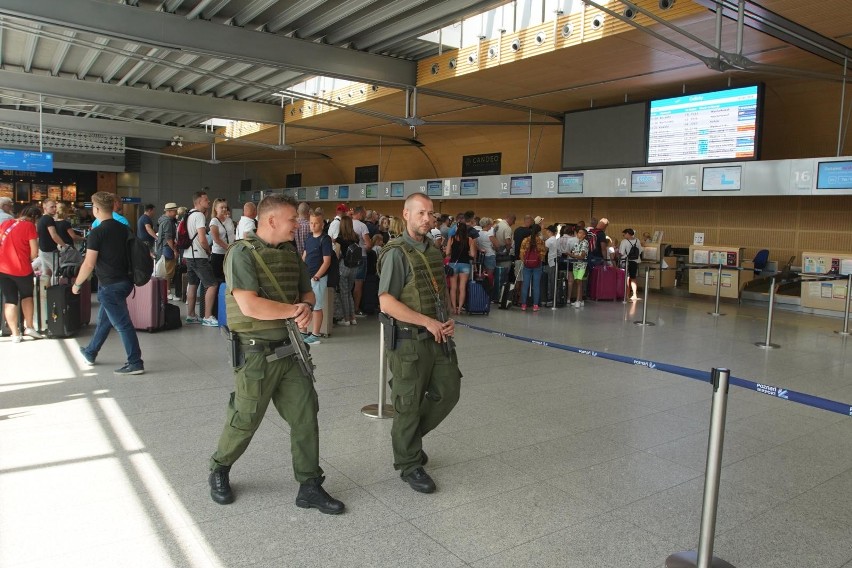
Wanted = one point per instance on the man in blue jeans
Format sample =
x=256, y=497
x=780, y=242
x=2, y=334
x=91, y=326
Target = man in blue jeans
x=106, y=255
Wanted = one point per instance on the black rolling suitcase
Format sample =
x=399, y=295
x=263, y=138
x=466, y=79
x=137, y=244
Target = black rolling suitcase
x=63, y=311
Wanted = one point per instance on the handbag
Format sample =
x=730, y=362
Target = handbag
x=160, y=268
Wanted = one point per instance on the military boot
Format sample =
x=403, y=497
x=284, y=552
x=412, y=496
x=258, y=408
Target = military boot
x=220, y=486
x=312, y=495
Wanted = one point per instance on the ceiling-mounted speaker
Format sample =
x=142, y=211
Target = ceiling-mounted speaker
x=515, y=45
x=492, y=52
x=598, y=22
x=435, y=68
x=539, y=38
x=567, y=30
x=666, y=4
x=471, y=58
x=629, y=13
x=452, y=63
x=374, y=88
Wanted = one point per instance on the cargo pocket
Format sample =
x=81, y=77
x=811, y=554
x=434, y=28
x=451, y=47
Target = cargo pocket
x=247, y=394
x=404, y=369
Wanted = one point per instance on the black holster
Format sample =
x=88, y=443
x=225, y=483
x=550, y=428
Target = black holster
x=390, y=327
x=235, y=352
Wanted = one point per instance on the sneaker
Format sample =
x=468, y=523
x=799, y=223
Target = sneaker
x=192, y=319
x=86, y=357
x=523, y=307
x=343, y=322
x=535, y=307
x=210, y=322
x=576, y=304
x=30, y=332
x=312, y=339
x=582, y=303
x=360, y=315
x=353, y=322
x=129, y=369
x=17, y=338
x=171, y=296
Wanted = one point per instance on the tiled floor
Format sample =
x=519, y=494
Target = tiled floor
x=550, y=459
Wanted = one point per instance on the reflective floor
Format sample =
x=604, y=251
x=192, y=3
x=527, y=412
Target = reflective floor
x=550, y=459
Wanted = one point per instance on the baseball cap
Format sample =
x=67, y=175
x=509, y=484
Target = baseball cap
x=435, y=234
x=342, y=208
x=538, y=220
x=170, y=205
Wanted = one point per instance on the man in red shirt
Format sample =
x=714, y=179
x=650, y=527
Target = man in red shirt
x=18, y=248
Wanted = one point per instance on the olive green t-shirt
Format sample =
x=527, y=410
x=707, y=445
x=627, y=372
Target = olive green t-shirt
x=241, y=273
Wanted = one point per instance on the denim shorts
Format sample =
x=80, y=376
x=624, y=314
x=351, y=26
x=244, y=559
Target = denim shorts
x=489, y=262
x=319, y=287
x=460, y=267
x=361, y=274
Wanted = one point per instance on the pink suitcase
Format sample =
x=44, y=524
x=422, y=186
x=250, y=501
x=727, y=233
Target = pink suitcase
x=606, y=283
x=147, y=305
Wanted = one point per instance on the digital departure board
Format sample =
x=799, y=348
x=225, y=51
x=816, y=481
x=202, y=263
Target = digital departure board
x=26, y=161
x=397, y=189
x=714, y=126
x=834, y=175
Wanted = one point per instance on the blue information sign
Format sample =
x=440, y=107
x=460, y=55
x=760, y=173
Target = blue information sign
x=26, y=161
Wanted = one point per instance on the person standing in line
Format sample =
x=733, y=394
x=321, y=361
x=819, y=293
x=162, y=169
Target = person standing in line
x=108, y=257
x=533, y=255
x=248, y=222
x=317, y=257
x=267, y=283
x=6, y=209
x=222, y=232
x=145, y=226
x=165, y=245
x=116, y=213
x=49, y=240
x=426, y=376
x=18, y=248
x=580, y=254
x=366, y=244
x=346, y=237
x=198, y=268
x=631, y=251
x=304, y=229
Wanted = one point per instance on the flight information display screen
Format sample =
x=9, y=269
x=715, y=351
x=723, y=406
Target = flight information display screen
x=834, y=175
x=646, y=181
x=26, y=161
x=714, y=126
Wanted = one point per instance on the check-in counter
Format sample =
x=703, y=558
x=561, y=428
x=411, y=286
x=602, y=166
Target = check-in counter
x=825, y=294
x=651, y=258
x=703, y=280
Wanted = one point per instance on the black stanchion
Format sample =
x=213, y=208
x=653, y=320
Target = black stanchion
x=767, y=343
x=645, y=321
x=704, y=558
x=845, y=330
x=380, y=410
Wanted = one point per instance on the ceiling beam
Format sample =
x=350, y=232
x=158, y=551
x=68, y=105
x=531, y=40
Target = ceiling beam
x=160, y=29
x=91, y=91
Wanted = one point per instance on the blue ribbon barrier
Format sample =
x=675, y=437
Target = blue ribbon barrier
x=769, y=390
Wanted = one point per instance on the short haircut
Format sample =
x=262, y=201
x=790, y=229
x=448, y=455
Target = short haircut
x=104, y=200
x=317, y=213
x=358, y=210
x=630, y=232
x=249, y=207
x=274, y=201
x=198, y=195
x=303, y=209
x=5, y=201
x=468, y=215
x=149, y=206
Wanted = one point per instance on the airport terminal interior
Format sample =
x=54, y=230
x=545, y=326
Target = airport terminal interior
x=581, y=435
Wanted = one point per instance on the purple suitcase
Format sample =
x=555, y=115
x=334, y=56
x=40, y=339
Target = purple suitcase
x=147, y=305
x=606, y=283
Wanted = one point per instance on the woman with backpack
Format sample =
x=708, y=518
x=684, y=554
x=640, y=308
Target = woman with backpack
x=345, y=239
x=461, y=250
x=631, y=251
x=533, y=253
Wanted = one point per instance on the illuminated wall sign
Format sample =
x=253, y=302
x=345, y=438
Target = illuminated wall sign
x=482, y=164
x=17, y=160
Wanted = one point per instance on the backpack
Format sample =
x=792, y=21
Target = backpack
x=592, y=237
x=183, y=241
x=532, y=259
x=633, y=253
x=352, y=256
x=333, y=269
x=140, y=260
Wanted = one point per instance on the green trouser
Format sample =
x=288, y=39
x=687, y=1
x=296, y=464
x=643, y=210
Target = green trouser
x=292, y=393
x=425, y=388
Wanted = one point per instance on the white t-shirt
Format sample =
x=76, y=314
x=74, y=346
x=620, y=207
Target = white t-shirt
x=552, y=245
x=334, y=229
x=483, y=241
x=360, y=230
x=196, y=221
x=226, y=233
x=625, y=246
x=245, y=225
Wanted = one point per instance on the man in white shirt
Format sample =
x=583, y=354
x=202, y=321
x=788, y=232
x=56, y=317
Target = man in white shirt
x=631, y=250
x=248, y=221
x=198, y=268
x=334, y=226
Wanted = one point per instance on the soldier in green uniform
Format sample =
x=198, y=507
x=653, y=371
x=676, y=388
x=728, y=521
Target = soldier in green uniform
x=267, y=283
x=426, y=376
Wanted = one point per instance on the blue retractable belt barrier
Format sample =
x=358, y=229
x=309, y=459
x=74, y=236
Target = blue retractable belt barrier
x=777, y=392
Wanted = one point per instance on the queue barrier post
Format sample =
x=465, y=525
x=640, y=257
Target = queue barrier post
x=767, y=343
x=555, y=282
x=645, y=321
x=626, y=282
x=380, y=410
x=715, y=312
x=845, y=330
x=703, y=557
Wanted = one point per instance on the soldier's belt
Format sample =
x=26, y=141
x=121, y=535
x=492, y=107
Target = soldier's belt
x=260, y=346
x=415, y=333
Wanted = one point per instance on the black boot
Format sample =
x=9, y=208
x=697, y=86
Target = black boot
x=313, y=496
x=220, y=486
x=420, y=481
